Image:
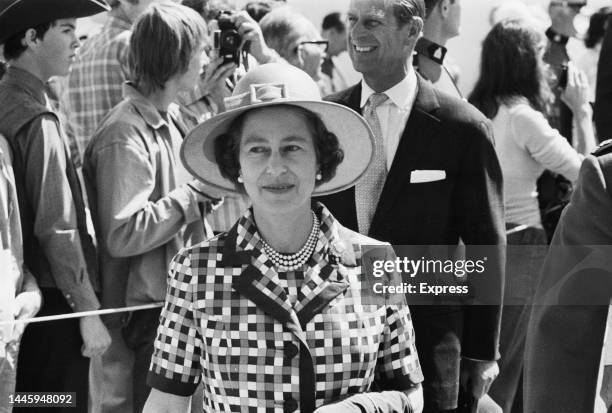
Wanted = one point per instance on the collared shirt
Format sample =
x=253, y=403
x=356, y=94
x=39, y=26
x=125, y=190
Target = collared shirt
x=228, y=322
x=96, y=79
x=138, y=204
x=57, y=247
x=394, y=112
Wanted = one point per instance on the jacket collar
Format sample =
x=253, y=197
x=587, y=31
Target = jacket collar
x=324, y=280
x=145, y=108
x=28, y=82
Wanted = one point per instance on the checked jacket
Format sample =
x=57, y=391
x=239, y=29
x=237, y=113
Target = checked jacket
x=229, y=322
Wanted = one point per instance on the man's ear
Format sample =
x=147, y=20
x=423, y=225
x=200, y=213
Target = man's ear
x=29, y=39
x=444, y=7
x=415, y=27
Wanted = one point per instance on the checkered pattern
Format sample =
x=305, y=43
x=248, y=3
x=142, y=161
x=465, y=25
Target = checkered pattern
x=96, y=80
x=228, y=322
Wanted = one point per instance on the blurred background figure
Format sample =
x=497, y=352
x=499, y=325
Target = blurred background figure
x=337, y=63
x=442, y=23
x=297, y=40
x=587, y=62
x=553, y=190
x=603, y=92
x=512, y=91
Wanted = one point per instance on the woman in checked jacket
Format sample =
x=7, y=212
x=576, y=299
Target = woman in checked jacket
x=277, y=314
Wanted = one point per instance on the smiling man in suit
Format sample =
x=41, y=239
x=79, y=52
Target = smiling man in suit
x=435, y=180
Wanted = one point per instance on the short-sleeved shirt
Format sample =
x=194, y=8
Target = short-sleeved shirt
x=228, y=322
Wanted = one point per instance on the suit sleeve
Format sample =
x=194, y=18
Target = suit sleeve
x=481, y=227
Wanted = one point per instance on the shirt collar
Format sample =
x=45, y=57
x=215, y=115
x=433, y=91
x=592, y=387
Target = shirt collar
x=149, y=113
x=401, y=94
x=329, y=243
x=118, y=22
x=27, y=81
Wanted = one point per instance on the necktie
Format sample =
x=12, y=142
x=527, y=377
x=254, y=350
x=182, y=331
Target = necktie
x=369, y=188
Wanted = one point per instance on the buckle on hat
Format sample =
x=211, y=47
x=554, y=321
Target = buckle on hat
x=258, y=93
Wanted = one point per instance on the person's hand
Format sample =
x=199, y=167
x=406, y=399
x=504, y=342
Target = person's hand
x=576, y=93
x=250, y=31
x=213, y=82
x=310, y=57
x=95, y=336
x=477, y=376
x=26, y=305
x=206, y=193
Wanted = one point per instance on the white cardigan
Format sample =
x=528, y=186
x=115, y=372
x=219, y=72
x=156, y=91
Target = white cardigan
x=526, y=145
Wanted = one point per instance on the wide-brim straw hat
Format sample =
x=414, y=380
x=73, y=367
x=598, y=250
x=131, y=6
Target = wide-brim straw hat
x=276, y=84
x=19, y=15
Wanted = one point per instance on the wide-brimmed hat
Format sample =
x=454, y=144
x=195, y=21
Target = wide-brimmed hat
x=19, y=15
x=277, y=84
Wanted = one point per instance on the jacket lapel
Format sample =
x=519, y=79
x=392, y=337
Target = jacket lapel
x=421, y=128
x=259, y=283
x=326, y=278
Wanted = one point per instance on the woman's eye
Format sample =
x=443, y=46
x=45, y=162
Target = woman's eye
x=257, y=149
x=292, y=148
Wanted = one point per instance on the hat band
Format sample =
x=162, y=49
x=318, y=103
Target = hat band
x=258, y=93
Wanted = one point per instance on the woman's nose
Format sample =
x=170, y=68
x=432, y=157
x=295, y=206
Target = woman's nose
x=276, y=165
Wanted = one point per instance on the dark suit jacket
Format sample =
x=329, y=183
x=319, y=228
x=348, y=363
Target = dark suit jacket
x=603, y=91
x=568, y=322
x=442, y=133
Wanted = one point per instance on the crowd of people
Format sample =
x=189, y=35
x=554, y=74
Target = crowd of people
x=244, y=167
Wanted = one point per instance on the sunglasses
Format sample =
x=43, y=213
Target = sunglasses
x=323, y=44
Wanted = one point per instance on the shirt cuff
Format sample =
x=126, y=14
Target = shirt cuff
x=81, y=297
x=187, y=202
x=479, y=360
x=166, y=385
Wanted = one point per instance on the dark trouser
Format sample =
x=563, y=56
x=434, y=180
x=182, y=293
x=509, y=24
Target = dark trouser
x=142, y=361
x=50, y=357
x=139, y=336
x=525, y=256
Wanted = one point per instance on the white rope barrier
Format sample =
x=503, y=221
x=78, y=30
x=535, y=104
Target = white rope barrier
x=82, y=314
x=516, y=229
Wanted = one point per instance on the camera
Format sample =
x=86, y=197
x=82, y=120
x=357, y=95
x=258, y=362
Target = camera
x=226, y=39
x=562, y=79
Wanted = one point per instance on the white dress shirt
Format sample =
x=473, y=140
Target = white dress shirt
x=393, y=113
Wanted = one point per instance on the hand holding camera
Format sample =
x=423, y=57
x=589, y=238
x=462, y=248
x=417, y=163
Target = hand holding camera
x=216, y=73
x=576, y=91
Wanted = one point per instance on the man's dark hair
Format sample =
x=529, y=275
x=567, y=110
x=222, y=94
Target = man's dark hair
x=405, y=10
x=334, y=21
x=510, y=67
x=431, y=4
x=2, y=69
x=258, y=9
x=327, y=148
x=597, y=27
x=13, y=47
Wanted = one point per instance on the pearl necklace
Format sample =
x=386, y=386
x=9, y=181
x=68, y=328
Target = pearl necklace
x=291, y=262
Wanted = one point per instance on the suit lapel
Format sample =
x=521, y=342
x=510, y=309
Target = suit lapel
x=420, y=130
